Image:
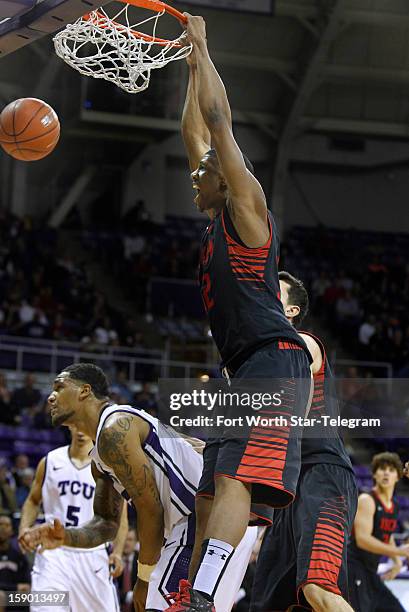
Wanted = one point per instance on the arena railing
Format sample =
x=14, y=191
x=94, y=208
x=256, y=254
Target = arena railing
x=49, y=358
x=67, y=345
x=20, y=354
x=384, y=368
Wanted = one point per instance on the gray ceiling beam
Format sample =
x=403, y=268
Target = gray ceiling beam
x=137, y=121
x=283, y=69
x=269, y=123
x=168, y=125
x=72, y=197
x=286, y=70
x=356, y=126
x=106, y=134
x=312, y=74
x=365, y=74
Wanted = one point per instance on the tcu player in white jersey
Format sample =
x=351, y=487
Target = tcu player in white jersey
x=65, y=487
x=137, y=458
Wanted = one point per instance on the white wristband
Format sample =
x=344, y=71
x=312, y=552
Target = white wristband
x=145, y=571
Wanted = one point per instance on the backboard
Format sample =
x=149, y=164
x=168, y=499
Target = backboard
x=265, y=7
x=24, y=21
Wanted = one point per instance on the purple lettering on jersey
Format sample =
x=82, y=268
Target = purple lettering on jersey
x=63, y=484
x=75, y=487
x=87, y=490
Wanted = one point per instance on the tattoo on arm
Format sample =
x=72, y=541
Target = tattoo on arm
x=104, y=524
x=125, y=423
x=114, y=451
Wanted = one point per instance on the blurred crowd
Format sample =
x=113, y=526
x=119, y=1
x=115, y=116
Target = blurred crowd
x=358, y=282
x=359, y=285
x=141, y=250
x=16, y=478
x=46, y=294
x=26, y=405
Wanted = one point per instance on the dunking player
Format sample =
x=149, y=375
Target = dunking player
x=139, y=458
x=65, y=487
x=375, y=523
x=303, y=557
x=239, y=284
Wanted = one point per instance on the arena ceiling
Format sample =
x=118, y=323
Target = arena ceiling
x=315, y=66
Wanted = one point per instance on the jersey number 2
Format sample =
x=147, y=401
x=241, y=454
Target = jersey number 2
x=72, y=518
x=209, y=301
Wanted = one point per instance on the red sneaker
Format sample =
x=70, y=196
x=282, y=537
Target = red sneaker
x=188, y=600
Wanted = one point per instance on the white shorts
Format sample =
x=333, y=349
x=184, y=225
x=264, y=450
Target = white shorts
x=174, y=563
x=85, y=574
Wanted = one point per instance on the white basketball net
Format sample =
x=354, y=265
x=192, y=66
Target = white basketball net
x=102, y=47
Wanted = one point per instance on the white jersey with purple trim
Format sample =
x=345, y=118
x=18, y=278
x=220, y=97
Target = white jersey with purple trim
x=176, y=466
x=67, y=491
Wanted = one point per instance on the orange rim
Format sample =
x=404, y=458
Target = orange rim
x=154, y=5
x=157, y=6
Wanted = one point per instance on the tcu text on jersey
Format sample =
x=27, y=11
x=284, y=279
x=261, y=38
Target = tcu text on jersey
x=75, y=487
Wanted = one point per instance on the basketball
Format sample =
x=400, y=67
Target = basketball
x=29, y=129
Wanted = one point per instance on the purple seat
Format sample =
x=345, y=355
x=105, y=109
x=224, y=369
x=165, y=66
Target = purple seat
x=24, y=446
x=56, y=436
x=44, y=435
x=6, y=432
x=362, y=470
x=36, y=434
x=23, y=433
x=403, y=502
x=45, y=447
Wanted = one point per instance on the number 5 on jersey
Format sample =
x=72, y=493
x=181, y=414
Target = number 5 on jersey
x=72, y=519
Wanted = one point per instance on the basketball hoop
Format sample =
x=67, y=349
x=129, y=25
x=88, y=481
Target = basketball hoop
x=113, y=48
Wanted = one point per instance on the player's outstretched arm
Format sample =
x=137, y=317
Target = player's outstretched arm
x=363, y=526
x=100, y=529
x=195, y=133
x=121, y=449
x=47, y=536
x=247, y=202
x=31, y=507
x=104, y=525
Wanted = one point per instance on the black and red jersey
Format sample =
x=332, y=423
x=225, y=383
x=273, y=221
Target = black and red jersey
x=385, y=523
x=323, y=444
x=241, y=292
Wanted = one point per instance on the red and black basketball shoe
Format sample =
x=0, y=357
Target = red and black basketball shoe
x=188, y=600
